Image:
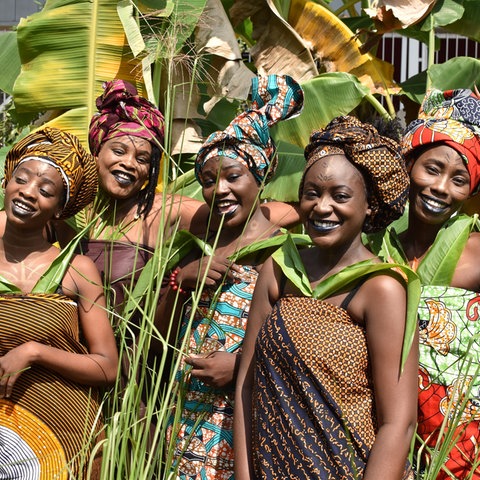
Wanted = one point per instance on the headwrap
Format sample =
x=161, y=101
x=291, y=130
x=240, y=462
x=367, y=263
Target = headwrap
x=64, y=152
x=247, y=137
x=378, y=158
x=123, y=112
x=452, y=118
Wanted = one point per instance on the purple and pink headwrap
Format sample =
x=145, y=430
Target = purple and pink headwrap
x=247, y=137
x=123, y=112
x=452, y=118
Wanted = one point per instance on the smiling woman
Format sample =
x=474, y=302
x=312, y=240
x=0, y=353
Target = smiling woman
x=232, y=167
x=442, y=149
x=56, y=342
x=320, y=390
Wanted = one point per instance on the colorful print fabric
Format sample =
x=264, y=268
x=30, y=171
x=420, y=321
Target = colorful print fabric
x=451, y=117
x=204, y=436
x=247, y=138
x=449, y=375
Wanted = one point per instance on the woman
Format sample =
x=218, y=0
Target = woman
x=232, y=167
x=442, y=148
x=321, y=392
x=126, y=137
x=56, y=343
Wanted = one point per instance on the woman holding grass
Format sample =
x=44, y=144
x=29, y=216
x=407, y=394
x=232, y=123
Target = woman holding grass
x=442, y=148
x=232, y=166
x=324, y=390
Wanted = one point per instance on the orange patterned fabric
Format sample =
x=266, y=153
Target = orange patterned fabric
x=64, y=152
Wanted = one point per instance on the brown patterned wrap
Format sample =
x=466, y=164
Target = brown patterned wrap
x=377, y=157
x=64, y=152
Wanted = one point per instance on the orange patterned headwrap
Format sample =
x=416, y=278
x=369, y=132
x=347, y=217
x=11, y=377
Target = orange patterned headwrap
x=64, y=152
x=452, y=118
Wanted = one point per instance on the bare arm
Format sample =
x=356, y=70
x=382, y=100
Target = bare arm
x=265, y=295
x=99, y=366
x=395, y=391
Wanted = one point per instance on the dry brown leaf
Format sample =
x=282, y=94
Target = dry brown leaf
x=391, y=15
x=278, y=49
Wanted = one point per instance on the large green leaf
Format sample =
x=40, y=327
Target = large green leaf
x=68, y=50
x=459, y=72
x=9, y=58
x=285, y=182
x=326, y=96
x=443, y=13
x=439, y=263
x=468, y=25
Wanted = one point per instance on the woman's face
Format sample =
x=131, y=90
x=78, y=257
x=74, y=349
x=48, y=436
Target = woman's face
x=439, y=184
x=34, y=195
x=334, y=202
x=124, y=165
x=229, y=189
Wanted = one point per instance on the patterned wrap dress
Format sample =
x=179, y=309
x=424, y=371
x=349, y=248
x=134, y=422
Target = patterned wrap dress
x=449, y=375
x=449, y=354
x=204, y=432
x=49, y=423
x=314, y=413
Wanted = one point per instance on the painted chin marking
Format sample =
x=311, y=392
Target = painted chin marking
x=323, y=226
x=124, y=179
x=434, y=206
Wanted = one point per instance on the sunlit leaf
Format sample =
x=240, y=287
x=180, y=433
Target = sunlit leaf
x=326, y=97
x=443, y=13
x=439, y=263
x=68, y=50
x=395, y=14
x=10, y=57
x=458, y=72
x=335, y=47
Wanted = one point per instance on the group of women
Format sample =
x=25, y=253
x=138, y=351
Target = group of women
x=316, y=346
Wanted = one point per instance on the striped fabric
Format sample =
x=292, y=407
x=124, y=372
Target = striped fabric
x=44, y=404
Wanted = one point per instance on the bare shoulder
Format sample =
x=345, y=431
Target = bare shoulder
x=385, y=286
x=83, y=267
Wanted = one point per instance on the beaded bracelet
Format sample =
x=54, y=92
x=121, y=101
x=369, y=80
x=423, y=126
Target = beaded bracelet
x=173, y=282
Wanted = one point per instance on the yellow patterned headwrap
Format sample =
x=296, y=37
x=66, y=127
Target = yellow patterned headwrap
x=64, y=152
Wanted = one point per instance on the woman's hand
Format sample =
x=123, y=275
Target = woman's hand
x=217, y=369
x=215, y=270
x=12, y=364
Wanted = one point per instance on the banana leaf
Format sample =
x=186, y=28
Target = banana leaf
x=438, y=265
x=326, y=97
x=443, y=13
x=10, y=57
x=289, y=260
x=336, y=47
x=68, y=50
x=459, y=72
